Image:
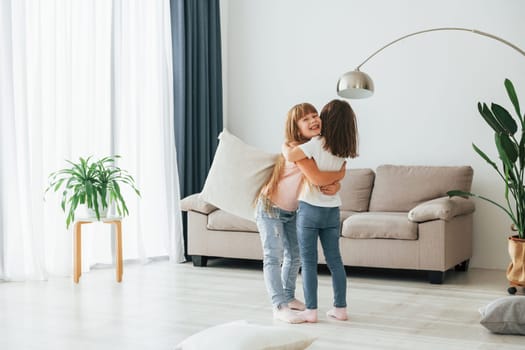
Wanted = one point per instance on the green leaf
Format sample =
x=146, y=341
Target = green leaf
x=103, y=192
x=504, y=118
x=58, y=184
x=512, y=95
x=69, y=219
x=489, y=117
x=498, y=138
x=458, y=193
x=509, y=147
x=484, y=156
x=521, y=151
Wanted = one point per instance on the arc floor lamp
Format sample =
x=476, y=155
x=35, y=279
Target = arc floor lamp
x=357, y=84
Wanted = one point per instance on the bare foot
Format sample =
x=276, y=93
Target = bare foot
x=296, y=305
x=286, y=315
x=338, y=313
x=309, y=315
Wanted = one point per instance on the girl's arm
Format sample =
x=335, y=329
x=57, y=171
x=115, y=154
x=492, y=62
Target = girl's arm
x=293, y=153
x=320, y=178
x=331, y=189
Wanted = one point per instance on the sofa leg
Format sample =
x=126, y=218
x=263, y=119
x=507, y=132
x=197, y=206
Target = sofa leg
x=462, y=266
x=199, y=260
x=436, y=277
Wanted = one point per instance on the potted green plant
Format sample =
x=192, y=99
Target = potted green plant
x=95, y=184
x=510, y=144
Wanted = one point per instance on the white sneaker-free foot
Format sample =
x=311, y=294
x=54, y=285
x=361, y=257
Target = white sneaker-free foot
x=286, y=315
x=338, y=313
x=309, y=315
x=296, y=305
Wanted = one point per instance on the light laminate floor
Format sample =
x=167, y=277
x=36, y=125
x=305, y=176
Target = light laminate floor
x=159, y=304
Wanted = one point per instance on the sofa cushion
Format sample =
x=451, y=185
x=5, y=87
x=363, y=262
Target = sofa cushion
x=443, y=208
x=379, y=225
x=196, y=203
x=223, y=221
x=345, y=214
x=400, y=188
x=356, y=188
x=237, y=173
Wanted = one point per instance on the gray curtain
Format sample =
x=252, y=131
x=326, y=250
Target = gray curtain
x=197, y=86
x=196, y=35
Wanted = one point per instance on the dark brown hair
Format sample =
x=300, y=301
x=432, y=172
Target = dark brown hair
x=340, y=129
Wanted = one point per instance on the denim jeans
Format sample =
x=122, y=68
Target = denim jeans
x=314, y=222
x=278, y=232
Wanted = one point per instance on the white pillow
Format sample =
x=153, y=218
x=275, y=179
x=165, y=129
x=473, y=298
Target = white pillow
x=505, y=315
x=240, y=335
x=237, y=172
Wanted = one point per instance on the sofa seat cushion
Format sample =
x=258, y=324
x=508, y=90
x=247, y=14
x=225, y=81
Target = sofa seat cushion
x=345, y=214
x=220, y=220
x=379, y=225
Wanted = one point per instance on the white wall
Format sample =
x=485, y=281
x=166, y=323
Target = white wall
x=281, y=52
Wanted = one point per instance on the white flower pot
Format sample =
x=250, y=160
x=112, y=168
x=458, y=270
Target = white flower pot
x=83, y=212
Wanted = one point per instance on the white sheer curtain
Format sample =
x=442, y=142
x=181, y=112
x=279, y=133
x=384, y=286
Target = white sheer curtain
x=74, y=81
x=143, y=105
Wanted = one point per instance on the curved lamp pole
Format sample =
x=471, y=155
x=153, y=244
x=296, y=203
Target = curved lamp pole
x=357, y=84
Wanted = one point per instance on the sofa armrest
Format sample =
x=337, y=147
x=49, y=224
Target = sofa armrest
x=194, y=202
x=443, y=208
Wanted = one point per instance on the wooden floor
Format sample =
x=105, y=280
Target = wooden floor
x=159, y=304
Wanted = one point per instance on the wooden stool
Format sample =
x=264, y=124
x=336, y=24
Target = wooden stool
x=77, y=264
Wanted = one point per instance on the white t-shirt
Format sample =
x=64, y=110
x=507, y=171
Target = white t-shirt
x=325, y=161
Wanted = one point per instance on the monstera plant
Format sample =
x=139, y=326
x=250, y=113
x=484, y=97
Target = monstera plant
x=95, y=184
x=509, y=138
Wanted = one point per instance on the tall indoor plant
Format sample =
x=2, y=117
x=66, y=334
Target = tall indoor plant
x=509, y=138
x=95, y=184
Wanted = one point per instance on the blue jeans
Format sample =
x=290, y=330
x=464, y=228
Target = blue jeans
x=313, y=222
x=278, y=232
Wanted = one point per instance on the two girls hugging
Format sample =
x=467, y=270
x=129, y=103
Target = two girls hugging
x=299, y=204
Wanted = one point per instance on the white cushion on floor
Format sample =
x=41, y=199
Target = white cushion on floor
x=241, y=335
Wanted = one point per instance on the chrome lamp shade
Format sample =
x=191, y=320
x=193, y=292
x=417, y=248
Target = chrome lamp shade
x=355, y=84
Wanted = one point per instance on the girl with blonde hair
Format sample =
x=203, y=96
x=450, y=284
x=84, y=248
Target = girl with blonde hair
x=276, y=208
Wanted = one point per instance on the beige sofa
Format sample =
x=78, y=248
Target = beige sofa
x=396, y=217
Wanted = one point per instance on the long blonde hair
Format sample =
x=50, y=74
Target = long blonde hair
x=291, y=134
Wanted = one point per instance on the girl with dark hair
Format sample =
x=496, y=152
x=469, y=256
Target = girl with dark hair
x=318, y=213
